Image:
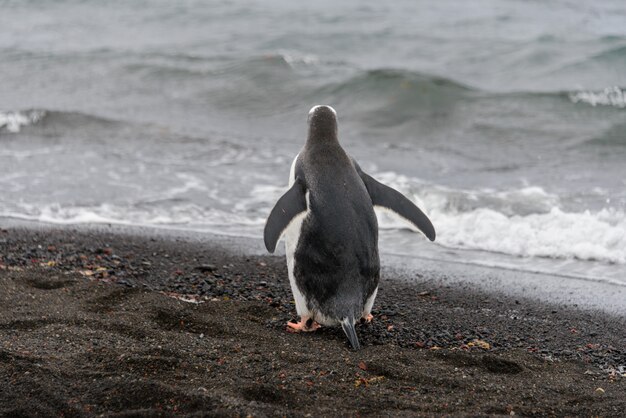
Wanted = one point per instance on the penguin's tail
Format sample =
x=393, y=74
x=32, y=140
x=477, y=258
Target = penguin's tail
x=348, y=327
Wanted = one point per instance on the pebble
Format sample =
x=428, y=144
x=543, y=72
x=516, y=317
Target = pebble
x=398, y=321
x=206, y=268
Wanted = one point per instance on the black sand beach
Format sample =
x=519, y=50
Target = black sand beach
x=93, y=323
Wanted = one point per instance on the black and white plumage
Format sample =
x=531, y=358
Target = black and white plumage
x=331, y=231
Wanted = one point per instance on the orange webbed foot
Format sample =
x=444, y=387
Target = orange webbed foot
x=368, y=318
x=305, y=325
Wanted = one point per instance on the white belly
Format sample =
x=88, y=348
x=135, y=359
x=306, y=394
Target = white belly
x=292, y=235
x=369, y=303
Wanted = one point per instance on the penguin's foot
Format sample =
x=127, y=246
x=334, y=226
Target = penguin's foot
x=368, y=318
x=306, y=324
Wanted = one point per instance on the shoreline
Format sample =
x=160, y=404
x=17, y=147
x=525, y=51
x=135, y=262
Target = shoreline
x=97, y=320
x=569, y=291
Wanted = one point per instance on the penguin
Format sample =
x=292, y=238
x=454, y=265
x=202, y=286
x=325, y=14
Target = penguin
x=331, y=232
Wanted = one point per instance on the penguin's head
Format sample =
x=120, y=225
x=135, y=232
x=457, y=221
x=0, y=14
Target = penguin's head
x=322, y=123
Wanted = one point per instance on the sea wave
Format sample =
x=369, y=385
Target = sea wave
x=181, y=215
x=175, y=66
x=611, y=96
x=527, y=222
x=13, y=121
x=599, y=236
x=288, y=77
x=392, y=97
x=612, y=54
x=524, y=222
x=614, y=136
x=382, y=96
x=384, y=79
x=271, y=71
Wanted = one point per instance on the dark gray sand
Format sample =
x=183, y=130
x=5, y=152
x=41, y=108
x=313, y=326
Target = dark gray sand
x=91, y=323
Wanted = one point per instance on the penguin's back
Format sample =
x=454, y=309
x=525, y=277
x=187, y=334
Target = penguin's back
x=336, y=259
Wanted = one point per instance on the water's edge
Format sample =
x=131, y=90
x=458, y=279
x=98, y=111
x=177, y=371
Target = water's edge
x=602, y=297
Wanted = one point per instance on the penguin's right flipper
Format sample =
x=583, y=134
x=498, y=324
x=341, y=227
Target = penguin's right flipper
x=290, y=205
x=393, y=200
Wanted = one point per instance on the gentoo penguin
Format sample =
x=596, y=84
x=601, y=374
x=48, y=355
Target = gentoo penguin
x=331, y=231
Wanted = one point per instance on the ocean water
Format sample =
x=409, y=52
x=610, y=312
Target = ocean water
x=504, y=120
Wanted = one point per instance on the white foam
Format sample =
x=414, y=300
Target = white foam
x=557, y=234
x=190, y=183
x=13, y=121
x=181, y=215
x=610, y=96
x=527, y=222
x=294, y=59
x=524, y=222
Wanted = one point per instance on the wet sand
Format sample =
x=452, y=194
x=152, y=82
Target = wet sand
x=119, y=324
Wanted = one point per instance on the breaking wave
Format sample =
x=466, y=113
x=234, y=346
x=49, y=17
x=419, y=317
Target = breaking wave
x=179, y=215
x=14, y=121
x=610, y=96
x=527, y=222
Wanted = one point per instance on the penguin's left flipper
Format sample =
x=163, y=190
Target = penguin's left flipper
x=388, y=198
x=290, y=205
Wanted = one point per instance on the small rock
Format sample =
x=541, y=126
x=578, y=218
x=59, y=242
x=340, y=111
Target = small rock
x=206, y=268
